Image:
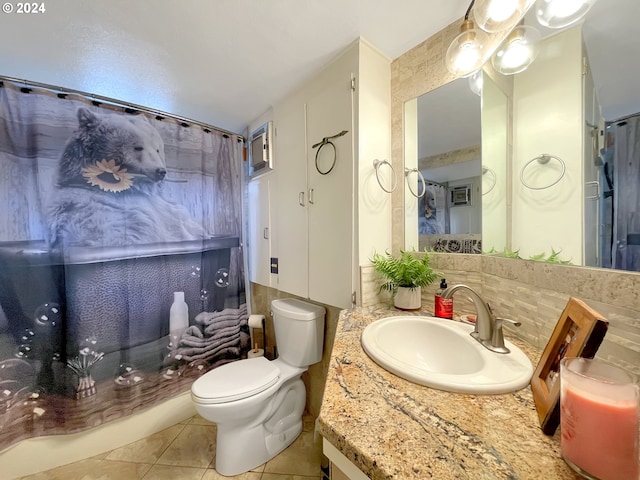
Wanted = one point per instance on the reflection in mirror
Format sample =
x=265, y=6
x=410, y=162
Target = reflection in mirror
x=577, y=104
x=495, y=131
x=442, y=142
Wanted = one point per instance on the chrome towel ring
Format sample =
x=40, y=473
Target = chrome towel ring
x=327, y=141
x=543, y=159
x=377, y=164
x=409, y=171
x=486, y=170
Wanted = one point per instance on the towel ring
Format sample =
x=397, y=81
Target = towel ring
x=543, y=159
x=320, y=145
x=409, y=171
x=333, y=164
x=485, y=170
x=376, y=164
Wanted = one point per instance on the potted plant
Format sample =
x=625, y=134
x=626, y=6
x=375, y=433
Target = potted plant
x=405, y=275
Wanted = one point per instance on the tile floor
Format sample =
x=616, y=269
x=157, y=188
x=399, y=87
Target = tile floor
x=186, y=451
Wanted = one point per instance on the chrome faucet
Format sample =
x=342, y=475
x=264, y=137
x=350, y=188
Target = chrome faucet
x=488, y=329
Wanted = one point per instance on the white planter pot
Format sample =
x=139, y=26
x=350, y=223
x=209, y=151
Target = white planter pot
x=408, y=299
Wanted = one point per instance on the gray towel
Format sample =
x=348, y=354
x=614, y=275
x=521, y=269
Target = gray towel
x=217, y=335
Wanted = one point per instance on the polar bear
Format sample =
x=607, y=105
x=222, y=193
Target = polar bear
x=129, y=142
x=108, y=187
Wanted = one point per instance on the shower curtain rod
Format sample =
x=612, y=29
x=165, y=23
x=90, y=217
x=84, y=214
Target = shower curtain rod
x=431, y=182
x=115, y=102
x=626, y=117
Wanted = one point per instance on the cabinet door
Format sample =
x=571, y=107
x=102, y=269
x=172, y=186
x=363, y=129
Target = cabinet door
x=259, y=226
x=291, y=197
x=330, y=195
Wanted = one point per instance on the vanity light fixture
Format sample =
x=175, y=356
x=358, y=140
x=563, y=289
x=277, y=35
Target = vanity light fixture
x=518, y=51
x=498, y=15
x=561, y=13
x=466, y=53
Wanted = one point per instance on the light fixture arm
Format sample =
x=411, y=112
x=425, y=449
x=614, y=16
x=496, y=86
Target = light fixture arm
x=466, y=15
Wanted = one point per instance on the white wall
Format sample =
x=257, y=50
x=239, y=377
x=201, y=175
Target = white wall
x=549, y=121
x=374, y=142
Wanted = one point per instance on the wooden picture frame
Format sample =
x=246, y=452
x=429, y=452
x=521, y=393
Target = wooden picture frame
x=578, y=333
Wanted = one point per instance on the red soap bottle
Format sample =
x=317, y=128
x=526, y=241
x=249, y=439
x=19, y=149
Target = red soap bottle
x=443, y=306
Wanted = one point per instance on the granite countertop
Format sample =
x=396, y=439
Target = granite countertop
x=391, y=428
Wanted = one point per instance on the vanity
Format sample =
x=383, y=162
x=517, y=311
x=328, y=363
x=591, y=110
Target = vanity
x=377, y=425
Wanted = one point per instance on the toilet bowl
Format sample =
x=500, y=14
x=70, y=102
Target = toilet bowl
x=258, y=404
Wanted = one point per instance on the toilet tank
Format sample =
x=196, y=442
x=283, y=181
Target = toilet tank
x=299, y=331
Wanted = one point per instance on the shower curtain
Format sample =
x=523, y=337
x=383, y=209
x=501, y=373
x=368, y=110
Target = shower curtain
x=626, y=204
x=433, y=212
x=111, y=216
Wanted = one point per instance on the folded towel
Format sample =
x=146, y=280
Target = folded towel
x=217, y=335
x=208, y=352
x=226, y=317
x=221, y=332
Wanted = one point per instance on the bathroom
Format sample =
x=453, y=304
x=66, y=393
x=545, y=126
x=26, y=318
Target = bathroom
x=542, y=289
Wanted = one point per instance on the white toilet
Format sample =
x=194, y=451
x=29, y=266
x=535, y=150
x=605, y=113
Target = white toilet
x=257, y=404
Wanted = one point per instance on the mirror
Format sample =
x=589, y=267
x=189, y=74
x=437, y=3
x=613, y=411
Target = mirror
x=443, y=167
x=550, y=138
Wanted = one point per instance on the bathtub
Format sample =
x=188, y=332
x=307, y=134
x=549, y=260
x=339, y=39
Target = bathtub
x=117, y=299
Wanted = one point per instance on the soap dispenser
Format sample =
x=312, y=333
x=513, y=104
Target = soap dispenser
x=443, y=306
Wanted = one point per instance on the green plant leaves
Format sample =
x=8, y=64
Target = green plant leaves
x=407, y=270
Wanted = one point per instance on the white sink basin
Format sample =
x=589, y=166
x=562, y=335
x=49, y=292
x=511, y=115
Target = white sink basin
x=441, y=354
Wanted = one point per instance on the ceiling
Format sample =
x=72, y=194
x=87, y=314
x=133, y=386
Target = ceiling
x=221, y=62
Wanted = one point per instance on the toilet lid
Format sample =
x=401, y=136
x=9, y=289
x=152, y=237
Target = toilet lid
x=236, y=380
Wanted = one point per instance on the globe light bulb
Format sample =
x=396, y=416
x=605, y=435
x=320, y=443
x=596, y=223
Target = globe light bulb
x=561, y=13
x=498, y=15
x=466, y=54
x=517, y=52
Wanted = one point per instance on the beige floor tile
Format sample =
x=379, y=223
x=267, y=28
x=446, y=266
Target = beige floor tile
x=72, y=471
x=213, y=475
x=302, y=457
x=195, y=446
x=101, y=456
x=149, y=449
x=286, y=476
x=109, y=470
x=198, y=420
x=168, y=472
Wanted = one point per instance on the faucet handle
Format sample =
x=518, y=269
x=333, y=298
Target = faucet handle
x=497, y=339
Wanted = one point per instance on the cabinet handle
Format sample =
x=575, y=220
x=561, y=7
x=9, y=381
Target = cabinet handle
x=265, y=233
x=301, y=199
x=311, y=202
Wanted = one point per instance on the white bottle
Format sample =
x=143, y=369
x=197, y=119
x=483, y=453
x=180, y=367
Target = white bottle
x=179, y=313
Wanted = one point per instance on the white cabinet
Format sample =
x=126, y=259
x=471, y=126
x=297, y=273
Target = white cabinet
x=314, y=210
x=259, y=229
x=325, y=224
x=330, y=195
x=290, y=200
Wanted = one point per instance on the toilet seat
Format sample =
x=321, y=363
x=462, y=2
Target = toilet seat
x=235, y=381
